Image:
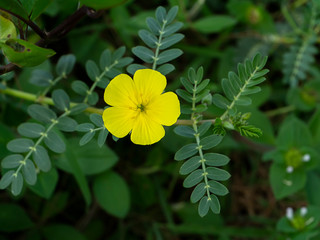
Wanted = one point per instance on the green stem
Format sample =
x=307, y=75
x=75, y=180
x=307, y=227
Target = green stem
x=52, y=83
x=155, y=58
x=224, y=115
x=98, y=79
x=290, y=20
x=42, y=100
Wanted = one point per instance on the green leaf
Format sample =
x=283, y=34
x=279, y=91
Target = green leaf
x=112, y=194
x=169, y=41
x=170, y=29
x=184, y=131
x=96, y=119
x=143, y=53
x=220, y=101
x=93, y=98
x=98, y=4
x=214, y=204
x=186, y=152
x=7, y=29
x=217, y=174
x=67, y=124
x=46, y=184
x=41, y=158
x=172, y=13
x=285, y=184
x=105, y=59
x=117, y=54
x=122, y=62
x=25, y=54
x=85, y=127
x=17, y=184
x=186, y=83
x=148, y=38
x=216, y=159
x=168, y=55
x=7, y=179
x=193, y=179
x=29, y=172
x=202, y=85
x=92, y=70
x=190, y=165
x=12, y=161
x=62, y=232
x=210, y=141
x=153, y=25
x=61, y=99
x=161, y=14
x=41, y=113
x=65, y=64
x=41, y=78
x=203, y=207
x=39, y=7
x=102, y=137
x=78, y=108
x=204, y=127
x=214, y=24
x=134, y=67
x=86, y=138
x=243, y=101
x=166, y=68
x=20, y=145
x=217, y=188
x=54, y=142
x=79, y=87
x=198, y=192
x=31, y=130
x=184, y=94
x=15, y=7
x=13, y=218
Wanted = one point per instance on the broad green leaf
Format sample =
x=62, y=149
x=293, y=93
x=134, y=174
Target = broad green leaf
x=96, y=119
x=105, y=59
x=103, y=83
x=210, y=141
x=25, y=54
x=161, y=14
x=217, y=174
x=93, y=98
x=132, y=68
x=186, y=152
x=122, y=62
x=172, y=13
x=168, y=55
x=243, y=101
x=92, y=70
x=165, y=68
x=204, y=127
x=62, y=232
x=102, y=137
x=148, y=38
x=98, y=4
x=117, y=54
x=214, y=24
x=7, y=29
x=185, y=95
x=85, y=127
x=153, y=25
x=20, y=145
x=285, y=184
x=169, y=41
x=202, y=85
x=217, y=188
x=80, y=87
x=216, y=159
x=112, y=194
x=15, y=7
x=78, y=108
x=29, y=172
x=203, y=207
x=54, y=142
x=190, y=165
x=31, y=130
x=41, y=78
x=65, y=64
x=228, y=89
x=214, y=204
x=198, y=192
x=61, y=99
x=184, y=131
x=7, y=179
x=41, y=113
x=39, y=7
x=143, y=53
x=172, y=29
x=86, y=138
x=46, y=184
x=17, y=184
x=12, y=161
x=202, y=95
x=186, y=83
x=13, y=218
x=67, y=124
x=220, y=101
x=41, y=158
x=193, y=179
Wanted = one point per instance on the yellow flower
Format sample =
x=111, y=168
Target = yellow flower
x=140, y=106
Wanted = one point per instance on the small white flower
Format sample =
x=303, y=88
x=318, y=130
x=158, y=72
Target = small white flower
x=306, y=158
x=303, y=211
x=289, y=213
x=289, y=169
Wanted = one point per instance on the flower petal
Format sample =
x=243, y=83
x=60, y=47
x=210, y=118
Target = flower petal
x=121, y=92
x=164, y=109
x=118, y=121
x=146, y=131
x=149, y=83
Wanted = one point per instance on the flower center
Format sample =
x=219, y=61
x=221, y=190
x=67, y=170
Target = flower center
x=141, y=107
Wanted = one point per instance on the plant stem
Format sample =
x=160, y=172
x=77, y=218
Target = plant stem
x=52, y=83
x=155, y=58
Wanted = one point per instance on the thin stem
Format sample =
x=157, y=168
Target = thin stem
x=290, y=20
x=52, y=83
x=155, y=58
x=98, y=79
x=279, y=111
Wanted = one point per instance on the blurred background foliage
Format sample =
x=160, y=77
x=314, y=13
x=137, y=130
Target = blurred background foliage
x=125, y=191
